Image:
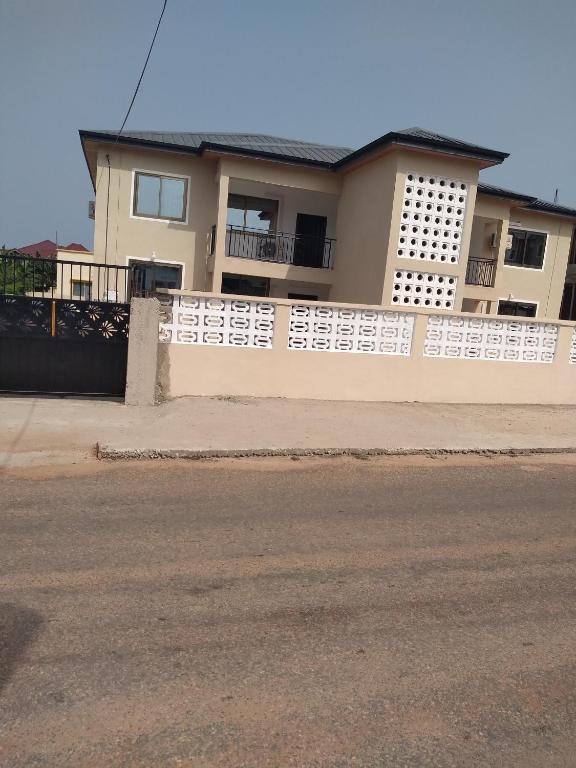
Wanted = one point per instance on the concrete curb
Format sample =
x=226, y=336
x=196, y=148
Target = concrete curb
x=109, y=452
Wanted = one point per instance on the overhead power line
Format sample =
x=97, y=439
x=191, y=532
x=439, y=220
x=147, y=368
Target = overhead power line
x=139, y=81
x=143, y=70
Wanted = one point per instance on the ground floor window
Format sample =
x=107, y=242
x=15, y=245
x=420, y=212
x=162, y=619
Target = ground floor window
x=303, y=296
x=568, y=306
x=82, y=290
x=519, y=308
x=148, y=276
x=245, y=285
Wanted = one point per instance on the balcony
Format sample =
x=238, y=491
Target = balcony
x=481, y=270
x=280, y=247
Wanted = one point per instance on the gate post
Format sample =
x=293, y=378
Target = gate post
x=142, y=352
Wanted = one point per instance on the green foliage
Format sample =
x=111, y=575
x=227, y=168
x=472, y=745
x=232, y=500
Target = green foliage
x=21, y=274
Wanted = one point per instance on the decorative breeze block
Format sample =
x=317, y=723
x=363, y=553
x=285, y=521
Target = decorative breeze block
x=216, y=322
x=339, y=329
x=473, y=338
x=424, y=289
x=573, y=348
x=432, y=219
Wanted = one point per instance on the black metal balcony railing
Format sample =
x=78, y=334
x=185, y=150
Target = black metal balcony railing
x=481, y=271
x=280, y=247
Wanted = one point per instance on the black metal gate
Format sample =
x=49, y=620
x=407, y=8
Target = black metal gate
x=63, y=346
x=63, y=326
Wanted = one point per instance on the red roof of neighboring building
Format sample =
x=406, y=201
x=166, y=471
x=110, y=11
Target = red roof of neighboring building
x=75, y=247
x=46, y=249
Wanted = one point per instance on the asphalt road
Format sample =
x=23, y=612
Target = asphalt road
x=326, y=613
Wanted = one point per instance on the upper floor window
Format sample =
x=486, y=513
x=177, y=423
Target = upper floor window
x=252, y=212
x=527, y=249
x=572, y=254
x=160, y=197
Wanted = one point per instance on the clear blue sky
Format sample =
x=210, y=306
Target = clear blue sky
x=497, y=72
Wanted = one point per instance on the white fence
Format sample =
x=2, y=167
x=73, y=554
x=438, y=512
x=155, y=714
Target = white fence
x=223, y=322
x=221, y=345
x=216, y=321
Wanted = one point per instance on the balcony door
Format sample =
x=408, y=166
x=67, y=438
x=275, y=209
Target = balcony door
x=310, y=239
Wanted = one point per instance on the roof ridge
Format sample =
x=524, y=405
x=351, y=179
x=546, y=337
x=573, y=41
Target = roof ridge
x=231, y=134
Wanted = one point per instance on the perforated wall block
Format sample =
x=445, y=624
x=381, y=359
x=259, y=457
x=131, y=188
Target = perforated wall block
x=217, y=322
x=423, y=289
x=573, y=348
x=433, y=210
x=473, y=338
x=343, y=329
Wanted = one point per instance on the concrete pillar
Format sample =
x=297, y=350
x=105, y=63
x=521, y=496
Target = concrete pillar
x=142, y=352
x=220, y=247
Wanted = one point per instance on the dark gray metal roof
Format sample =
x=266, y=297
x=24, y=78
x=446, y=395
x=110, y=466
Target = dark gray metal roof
x=321, y=155
x=528, y=201
x=490, y=189
x=438, y=138
x=545, y=207
x=244, y=143
x=421, y=139
x=304, y=152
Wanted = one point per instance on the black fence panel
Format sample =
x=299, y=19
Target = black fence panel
x=63, y=347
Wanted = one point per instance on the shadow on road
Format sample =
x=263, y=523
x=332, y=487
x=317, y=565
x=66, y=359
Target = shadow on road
x=19, y=627
x=21, y=432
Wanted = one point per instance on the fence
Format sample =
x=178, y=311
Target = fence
x=221, y=345
x=55, y=279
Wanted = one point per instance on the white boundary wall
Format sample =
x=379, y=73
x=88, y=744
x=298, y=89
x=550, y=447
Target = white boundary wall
x=212, y=344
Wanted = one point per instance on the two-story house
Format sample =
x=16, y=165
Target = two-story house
x=403, y=221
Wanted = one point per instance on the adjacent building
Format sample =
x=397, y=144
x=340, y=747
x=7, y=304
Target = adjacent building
x=404, y=221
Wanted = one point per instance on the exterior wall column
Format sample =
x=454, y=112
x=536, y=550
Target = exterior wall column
x=142, y=352
x=220, y=246
x=501, y=237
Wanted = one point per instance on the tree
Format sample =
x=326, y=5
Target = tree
x=21, y=274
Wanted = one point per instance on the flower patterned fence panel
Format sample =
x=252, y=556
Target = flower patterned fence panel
x=63, y=346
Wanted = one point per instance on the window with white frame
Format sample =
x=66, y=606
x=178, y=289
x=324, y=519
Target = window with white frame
x=160, y=197
x=527, y=249
x=517, y=308
x=82, y=290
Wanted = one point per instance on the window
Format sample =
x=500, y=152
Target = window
x=527, y=249
x=568, y=306
x=147, y=276
x=245, y=285
x=252, y=212
x=160, y=197
x=303, y=296
x=81, y=290
x=518, y=308
x=572, y=254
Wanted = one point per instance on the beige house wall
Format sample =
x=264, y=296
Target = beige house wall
x=542, y=286
x=363, y=206
x=431, y=165
x=492, y=207
x=235, y=175
x=194, y=369
x=120, y=236
x=363, y=231
x=66, y=274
